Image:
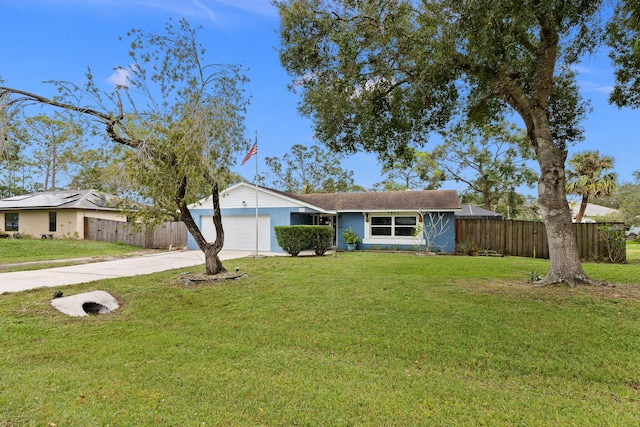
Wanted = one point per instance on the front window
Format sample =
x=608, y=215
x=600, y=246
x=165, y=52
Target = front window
x=401, y=226
x=405, y=226
x=11, y=221
x=381, y=226
x=52, y=221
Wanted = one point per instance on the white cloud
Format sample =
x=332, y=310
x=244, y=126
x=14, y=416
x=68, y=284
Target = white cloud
x=604, y=89
x=119, y=77
x=209, y=9
x=376, y=84
x=260, y=7
x=181, y=8
x=591, y=86
x=218, y=11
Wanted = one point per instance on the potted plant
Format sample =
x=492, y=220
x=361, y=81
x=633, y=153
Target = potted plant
x=351, y=238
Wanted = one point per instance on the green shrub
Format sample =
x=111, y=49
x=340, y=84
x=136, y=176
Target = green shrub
x=614, y=242
x=295, y=238
x=321, y=238
x=468, y=248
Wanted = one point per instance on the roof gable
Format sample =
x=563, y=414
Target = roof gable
x=243, y=194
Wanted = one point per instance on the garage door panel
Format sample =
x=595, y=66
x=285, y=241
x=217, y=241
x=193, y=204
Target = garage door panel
x=240, y=232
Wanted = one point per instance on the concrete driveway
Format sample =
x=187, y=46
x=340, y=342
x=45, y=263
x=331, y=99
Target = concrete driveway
x=146, y=264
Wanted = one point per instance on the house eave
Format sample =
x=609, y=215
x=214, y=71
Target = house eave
x=399, y=210
x=56, y=208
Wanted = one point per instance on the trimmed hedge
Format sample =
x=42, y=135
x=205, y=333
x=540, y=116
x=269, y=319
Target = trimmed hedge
x=321, y=238
x=295, y=238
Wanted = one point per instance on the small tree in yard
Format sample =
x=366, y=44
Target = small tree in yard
x=588, y=176
x=433, y=226
x=614, y=242
x=181, y=129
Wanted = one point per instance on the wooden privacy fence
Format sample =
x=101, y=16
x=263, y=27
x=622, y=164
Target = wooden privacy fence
x=165, y=235
x=528, y=238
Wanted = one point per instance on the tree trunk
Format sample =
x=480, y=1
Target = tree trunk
x=46, y=178
x=212, y=261
x=564, y=260
x=487, y=201
x=583, y=208
x=214, y=265
x=54, y=164
x=565, y=265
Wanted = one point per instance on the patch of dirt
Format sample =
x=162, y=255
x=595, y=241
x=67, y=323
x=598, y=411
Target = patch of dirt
x=611, y=291
x=605, y=290
x=193, y=279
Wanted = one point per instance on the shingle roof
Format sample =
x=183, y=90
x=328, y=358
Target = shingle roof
x=592, y=210
x=470, y=211
x=425, y=200
x=60, y=199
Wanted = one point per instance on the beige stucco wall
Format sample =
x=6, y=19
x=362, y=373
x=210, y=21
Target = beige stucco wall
x=69, y=222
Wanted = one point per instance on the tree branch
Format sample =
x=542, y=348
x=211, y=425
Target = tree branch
x=106, y=118
x=27, y=96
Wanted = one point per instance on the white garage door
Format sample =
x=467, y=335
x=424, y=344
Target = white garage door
x=240, y=232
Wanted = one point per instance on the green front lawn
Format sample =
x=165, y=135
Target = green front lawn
x=29, y=250
x=366, y=339
x=633, y=251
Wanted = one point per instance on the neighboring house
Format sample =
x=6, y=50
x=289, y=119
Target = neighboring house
x=381, y=219
x=593, y=213
x=57, y=213
x=474, y=212
x=633, y=232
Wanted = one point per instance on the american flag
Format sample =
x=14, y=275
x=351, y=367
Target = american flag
x=252, y=152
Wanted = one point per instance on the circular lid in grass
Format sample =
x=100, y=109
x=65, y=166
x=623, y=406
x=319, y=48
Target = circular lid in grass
x=96, y=302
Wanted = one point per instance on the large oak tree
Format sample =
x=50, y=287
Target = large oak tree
x=180, y=124
x=380, y=75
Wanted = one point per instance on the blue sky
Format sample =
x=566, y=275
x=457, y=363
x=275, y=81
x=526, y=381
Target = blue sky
x=44, y=40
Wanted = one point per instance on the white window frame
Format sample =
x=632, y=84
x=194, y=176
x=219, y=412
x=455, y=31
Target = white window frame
x=370, y=239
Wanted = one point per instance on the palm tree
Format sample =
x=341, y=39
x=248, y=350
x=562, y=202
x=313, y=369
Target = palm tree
x=588, y=177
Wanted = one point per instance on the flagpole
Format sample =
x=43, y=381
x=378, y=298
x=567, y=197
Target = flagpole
x=256, y=184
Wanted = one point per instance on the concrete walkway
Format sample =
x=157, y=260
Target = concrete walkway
x=22, y=280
